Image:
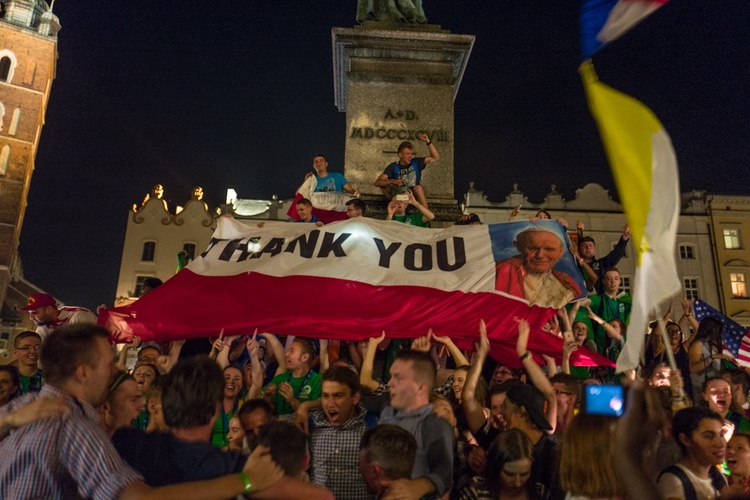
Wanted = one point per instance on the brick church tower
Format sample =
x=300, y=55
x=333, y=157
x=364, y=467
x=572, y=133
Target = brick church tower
x=28, y=57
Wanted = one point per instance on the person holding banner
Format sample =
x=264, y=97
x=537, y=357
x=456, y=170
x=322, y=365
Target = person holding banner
x=328, y=182
x=530, y=275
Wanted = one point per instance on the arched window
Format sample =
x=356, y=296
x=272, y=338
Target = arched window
x=8, y=64
x=5, y=67
x=149, y=250
x=14, y=121
x=4, y=159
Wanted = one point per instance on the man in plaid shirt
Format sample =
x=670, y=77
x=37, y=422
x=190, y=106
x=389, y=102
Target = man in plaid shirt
x=336, y=431
x=70, y=456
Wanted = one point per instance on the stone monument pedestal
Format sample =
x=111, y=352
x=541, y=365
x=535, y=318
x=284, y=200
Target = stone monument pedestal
x=395, y=81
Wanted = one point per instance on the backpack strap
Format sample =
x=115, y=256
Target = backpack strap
x=416, y=169
x=718, y=481
x=687, y=485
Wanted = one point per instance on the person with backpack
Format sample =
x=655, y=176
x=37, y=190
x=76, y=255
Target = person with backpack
x=700, y=436
x=405, y=174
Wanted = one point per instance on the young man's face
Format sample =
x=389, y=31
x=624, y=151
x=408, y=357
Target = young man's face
x=338, y=402
x=126, y=404
x=402, y=386
x=295, y=357
x=405, y=156
x=496, y=405
x=352, y=211
x=101, y=374
x=304, y=211
x=149, y=355
x=706, y=445
x=28, y=351
x=565, y=398
x=611, y=282
x=252, y=421
x=43, y=315
x=587, y=249
x=501, y=374
x=718, y=395
x=320, y=164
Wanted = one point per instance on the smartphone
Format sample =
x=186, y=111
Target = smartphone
x=606, y=400
x=402, y=197
x=568, y=336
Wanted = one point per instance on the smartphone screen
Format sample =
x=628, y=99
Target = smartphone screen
x=607, y=400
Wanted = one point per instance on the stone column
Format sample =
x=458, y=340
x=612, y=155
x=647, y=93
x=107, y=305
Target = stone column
x=395, y=81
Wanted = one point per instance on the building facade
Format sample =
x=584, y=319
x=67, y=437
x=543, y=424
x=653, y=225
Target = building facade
x=28, y=59
x=730, y=228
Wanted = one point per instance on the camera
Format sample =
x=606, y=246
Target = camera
x=606, y=400
x=402, y=197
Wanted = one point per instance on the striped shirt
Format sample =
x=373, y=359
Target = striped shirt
x=61, y=458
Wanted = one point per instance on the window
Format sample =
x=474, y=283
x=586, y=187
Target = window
x=149, y=249
x=139, y=285
x=687, y=252
x=691, y=287
x=624, y=285
x=15, y=119
x=732, y=239
x=739, y=287
x=4, y=159
x=5, y=65
x=189, y=249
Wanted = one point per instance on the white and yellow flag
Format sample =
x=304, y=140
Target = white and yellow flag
x=644, y=166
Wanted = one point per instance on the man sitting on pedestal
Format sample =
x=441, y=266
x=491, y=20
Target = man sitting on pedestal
x=406, y=173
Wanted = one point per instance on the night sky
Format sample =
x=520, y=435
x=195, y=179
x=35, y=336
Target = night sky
x=240, y=95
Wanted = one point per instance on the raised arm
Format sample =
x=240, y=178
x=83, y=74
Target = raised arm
x=324, y=363
x=426, y=212
x=365, y=374
x=223, y=357
x=255, y=365
x=455, y=352
x=536, y=374
x=434, y=156
x=687, y=313
x=472, y=409
x=278, y=351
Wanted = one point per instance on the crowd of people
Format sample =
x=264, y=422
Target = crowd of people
x=272, y=416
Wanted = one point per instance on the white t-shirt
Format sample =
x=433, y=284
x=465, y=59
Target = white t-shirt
x=670, y=486
x=68, y=314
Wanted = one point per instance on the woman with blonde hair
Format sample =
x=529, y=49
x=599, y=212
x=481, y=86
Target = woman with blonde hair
x=587, y=468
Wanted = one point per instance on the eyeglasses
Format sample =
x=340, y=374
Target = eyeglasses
x=557, y=393
x=29, y=348
x=674, y=332
x=149, y=359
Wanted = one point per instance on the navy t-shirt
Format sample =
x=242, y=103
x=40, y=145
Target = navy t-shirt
x=163, y=459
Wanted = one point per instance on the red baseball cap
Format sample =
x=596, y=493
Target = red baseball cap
x=39, y=300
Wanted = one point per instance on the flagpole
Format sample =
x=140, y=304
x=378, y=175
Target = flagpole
x=667, y=344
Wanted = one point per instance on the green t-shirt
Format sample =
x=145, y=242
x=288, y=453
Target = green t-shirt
x=413, y=219
x=608, y=309
x=305, y=388
x=31, y=384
